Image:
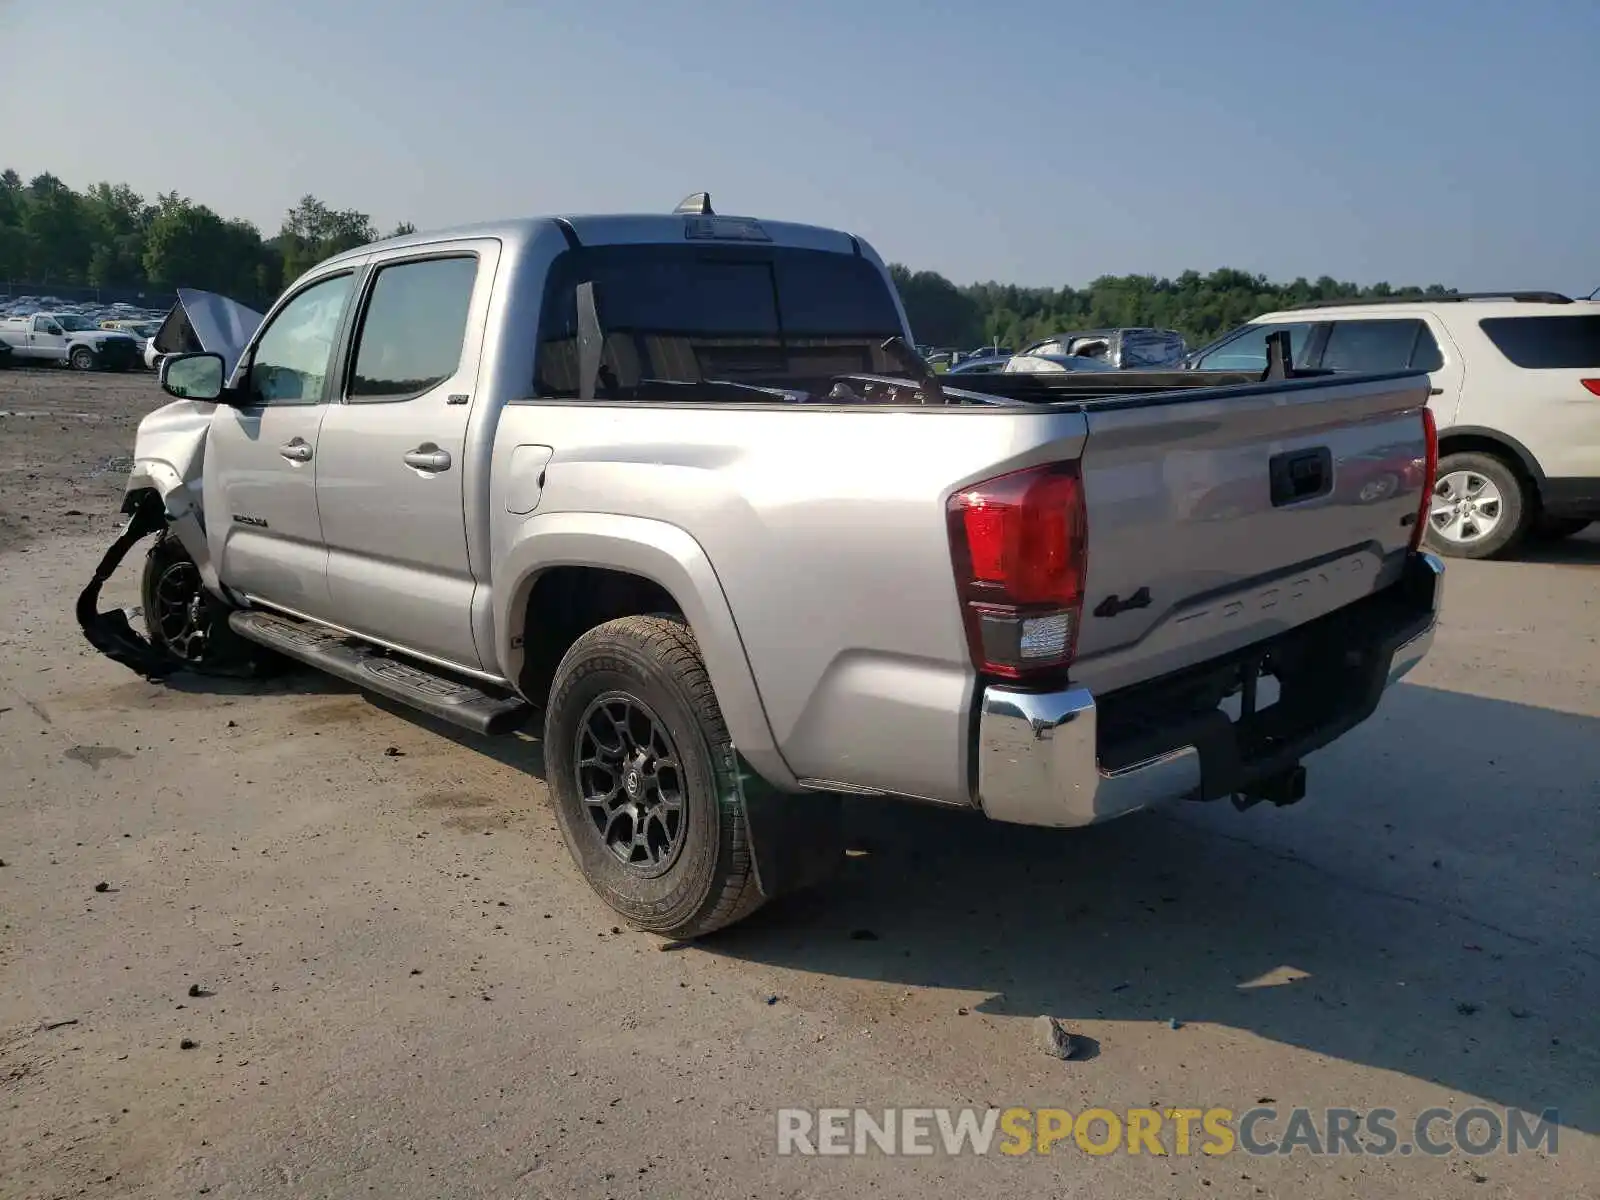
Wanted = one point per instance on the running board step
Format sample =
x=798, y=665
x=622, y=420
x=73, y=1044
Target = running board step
x=430, y=689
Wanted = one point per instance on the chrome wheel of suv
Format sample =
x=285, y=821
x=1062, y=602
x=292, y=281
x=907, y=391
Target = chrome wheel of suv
x=1467, y=507
x=1480, y=508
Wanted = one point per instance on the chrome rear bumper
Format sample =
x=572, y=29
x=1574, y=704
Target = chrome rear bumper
x=1039, y=754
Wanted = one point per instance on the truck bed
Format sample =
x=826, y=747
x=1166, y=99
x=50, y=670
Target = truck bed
x=874, y=687
x=1068, y=387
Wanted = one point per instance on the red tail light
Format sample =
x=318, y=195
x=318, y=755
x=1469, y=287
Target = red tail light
x=1430, y=475
x=1019, y=545
x=1592, y=384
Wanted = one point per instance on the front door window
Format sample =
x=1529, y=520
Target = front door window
x=291, y=359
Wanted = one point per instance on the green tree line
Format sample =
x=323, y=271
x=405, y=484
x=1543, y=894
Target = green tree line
x=110, y=236
x=1201, y=307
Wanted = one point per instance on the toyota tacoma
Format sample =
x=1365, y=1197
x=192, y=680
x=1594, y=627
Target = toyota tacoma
x=677, y=490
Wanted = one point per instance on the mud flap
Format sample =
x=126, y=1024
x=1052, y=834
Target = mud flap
x=109, y=632
x=795, y=841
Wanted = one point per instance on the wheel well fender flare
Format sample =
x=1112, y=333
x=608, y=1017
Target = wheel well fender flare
x=1467, y=438
x=183, y=509
x=668, y=556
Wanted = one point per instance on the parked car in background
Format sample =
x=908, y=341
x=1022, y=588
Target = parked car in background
x=1030, y=363
x=67, y=338
x=1134, y=348
x=982, y=354
x=91, y=310
x=988, y=364
x=1515, y=392
x=141, y=332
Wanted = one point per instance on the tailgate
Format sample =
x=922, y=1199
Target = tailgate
x=1223, y=517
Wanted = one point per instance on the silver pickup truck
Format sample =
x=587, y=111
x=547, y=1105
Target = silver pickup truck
x=677, y=486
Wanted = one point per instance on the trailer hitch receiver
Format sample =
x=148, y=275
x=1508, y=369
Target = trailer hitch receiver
x=1281, y=789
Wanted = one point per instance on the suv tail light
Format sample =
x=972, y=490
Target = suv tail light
x=1019, y=543
x=1430, y=476
x=1592, y=384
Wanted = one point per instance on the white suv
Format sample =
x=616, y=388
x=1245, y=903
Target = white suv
x=1516, y=394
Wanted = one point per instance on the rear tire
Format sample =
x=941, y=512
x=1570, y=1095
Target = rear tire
x=81, y=359
x=188, y=624
x=643, y=777
x=1481, y=507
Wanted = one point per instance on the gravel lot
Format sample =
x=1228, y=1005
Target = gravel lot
x=405, y=989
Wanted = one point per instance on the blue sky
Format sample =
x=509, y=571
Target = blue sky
x=1028, y=141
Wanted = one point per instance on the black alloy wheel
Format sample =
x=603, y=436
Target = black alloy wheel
x=630, y=779
x=181, y=618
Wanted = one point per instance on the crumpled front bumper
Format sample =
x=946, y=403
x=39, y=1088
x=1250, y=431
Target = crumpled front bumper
x=110, y=632
x=1043, y=758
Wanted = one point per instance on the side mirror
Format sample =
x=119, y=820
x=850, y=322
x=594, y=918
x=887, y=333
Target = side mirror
x=192, y=376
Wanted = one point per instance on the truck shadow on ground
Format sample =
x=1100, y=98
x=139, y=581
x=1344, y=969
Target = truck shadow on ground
x=521, y=752
x=191, y=690
x=1582, y=549
x=1429, y=909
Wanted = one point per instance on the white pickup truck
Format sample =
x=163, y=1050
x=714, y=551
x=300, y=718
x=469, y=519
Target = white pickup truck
x=676, y=490
x=68, y=339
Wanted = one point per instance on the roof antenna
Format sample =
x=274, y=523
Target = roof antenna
x=696, y=205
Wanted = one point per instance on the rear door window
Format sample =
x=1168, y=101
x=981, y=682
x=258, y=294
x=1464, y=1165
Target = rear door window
x=1547, y=343
x=413, y=330
x=1370, y=347
x=1425, y=354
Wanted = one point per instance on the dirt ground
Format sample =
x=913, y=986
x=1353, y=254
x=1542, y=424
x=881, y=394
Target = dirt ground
x=66, y=441
x=405, y=989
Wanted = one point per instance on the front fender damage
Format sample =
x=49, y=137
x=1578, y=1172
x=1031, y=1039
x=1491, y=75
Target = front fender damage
x=110, y=632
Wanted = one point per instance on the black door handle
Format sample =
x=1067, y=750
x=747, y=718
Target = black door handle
x=1300, y=475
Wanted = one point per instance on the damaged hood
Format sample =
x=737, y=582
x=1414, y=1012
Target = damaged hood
x=205, y=321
